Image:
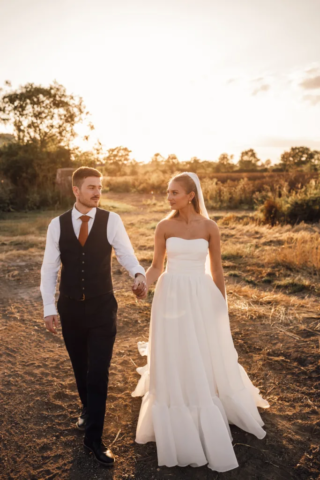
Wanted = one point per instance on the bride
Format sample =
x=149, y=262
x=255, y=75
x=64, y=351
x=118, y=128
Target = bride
x=192, y=386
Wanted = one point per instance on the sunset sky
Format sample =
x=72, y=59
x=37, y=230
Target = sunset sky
x=190, y=77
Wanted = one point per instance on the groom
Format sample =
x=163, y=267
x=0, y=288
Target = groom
x=82, y=240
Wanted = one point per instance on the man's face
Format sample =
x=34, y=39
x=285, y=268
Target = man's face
x=90, y=192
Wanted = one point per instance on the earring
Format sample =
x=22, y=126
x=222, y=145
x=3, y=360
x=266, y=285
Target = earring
x=189, y=202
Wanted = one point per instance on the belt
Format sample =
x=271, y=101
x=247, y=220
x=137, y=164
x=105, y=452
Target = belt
x=83, y=298
x=76, y=299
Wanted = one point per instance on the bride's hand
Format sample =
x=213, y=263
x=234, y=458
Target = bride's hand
x=139, y=287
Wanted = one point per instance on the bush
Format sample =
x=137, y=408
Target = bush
x=29, y=176
x=293, y=207
x=231, y=194
x=305, y=205
x=271, y=211
x=36, y=199
x=6, y=196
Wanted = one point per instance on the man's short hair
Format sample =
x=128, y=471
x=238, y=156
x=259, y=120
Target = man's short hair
x=81, y=173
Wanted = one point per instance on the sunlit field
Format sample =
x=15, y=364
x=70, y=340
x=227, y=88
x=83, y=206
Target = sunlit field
x=273, y=285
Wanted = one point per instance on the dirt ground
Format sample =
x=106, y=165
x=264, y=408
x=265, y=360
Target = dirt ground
x=276, y=333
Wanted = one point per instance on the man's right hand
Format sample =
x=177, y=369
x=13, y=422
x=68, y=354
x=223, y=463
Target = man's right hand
x=52, y=322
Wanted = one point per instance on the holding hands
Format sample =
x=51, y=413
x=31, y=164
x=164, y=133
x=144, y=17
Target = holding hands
x=139, y=287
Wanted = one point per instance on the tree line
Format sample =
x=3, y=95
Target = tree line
x=117, y=162
x=45, y=121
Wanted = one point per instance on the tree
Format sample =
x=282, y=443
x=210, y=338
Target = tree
x=195, y=162
x=118, y=155
x=248, y=160
x=300, y=157
x=225, y=163
x=133, y=167
x=23, y=166
x=171, y=162
x=268, y=163
x=117, y=159
x=192, y=165
x=84, y=158
x=6, y=138
x=45, y=116
x=157, y=160
x=316, y=160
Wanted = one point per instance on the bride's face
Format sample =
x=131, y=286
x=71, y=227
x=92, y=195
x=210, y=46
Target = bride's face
x=177, y=196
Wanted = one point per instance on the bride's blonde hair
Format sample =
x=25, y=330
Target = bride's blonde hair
x=189, y=186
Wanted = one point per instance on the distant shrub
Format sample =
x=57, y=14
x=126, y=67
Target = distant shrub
x=305, y=204
x=14, y=198
x=271, y=211
x=231, y=195
x=283, y=199
x=6, y=195
x=29, y=176
x=118, y=184
x=293, y=207
x=36, y=199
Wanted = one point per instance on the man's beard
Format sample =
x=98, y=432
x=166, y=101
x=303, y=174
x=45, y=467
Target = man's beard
x=86, y=204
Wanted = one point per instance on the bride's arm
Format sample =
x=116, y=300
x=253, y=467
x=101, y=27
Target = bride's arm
x=154, y=272
x=215, y=257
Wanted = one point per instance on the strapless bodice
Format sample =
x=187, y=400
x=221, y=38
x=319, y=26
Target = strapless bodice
x=186, y=256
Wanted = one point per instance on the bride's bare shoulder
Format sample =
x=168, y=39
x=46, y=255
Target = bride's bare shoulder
x=166, y=222
x=162, y=225
x=212, y=227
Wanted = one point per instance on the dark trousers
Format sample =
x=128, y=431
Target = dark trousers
x=89, y=329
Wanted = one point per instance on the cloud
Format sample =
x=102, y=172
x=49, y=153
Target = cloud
x=310, y=83
x=313, y=99
x=262, y=88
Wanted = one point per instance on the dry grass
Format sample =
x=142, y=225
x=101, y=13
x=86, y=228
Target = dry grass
x=18, y=227
x=301, y=251
x=280, y=257
x=273, y=297
x=116, y=206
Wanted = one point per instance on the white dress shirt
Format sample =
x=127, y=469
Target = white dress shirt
x=116, y=235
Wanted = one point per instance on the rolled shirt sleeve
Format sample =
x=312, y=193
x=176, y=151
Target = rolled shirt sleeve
x=50, y=268
x=119, y=239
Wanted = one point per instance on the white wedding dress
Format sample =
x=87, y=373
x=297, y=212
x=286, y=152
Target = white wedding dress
x=193, y=385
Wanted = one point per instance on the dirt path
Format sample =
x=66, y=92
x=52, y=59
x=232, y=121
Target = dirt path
x=39, y=403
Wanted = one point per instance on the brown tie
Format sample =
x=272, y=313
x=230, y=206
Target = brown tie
x=83, y=235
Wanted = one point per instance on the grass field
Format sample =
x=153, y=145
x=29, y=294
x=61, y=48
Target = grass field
x=273, y=285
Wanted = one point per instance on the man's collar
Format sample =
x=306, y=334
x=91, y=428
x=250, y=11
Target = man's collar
x=76, y=214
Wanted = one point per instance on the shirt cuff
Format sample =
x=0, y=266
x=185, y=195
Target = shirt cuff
x=49, y=310
x=138, y=269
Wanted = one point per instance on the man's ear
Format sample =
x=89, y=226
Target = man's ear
x=75, y=190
